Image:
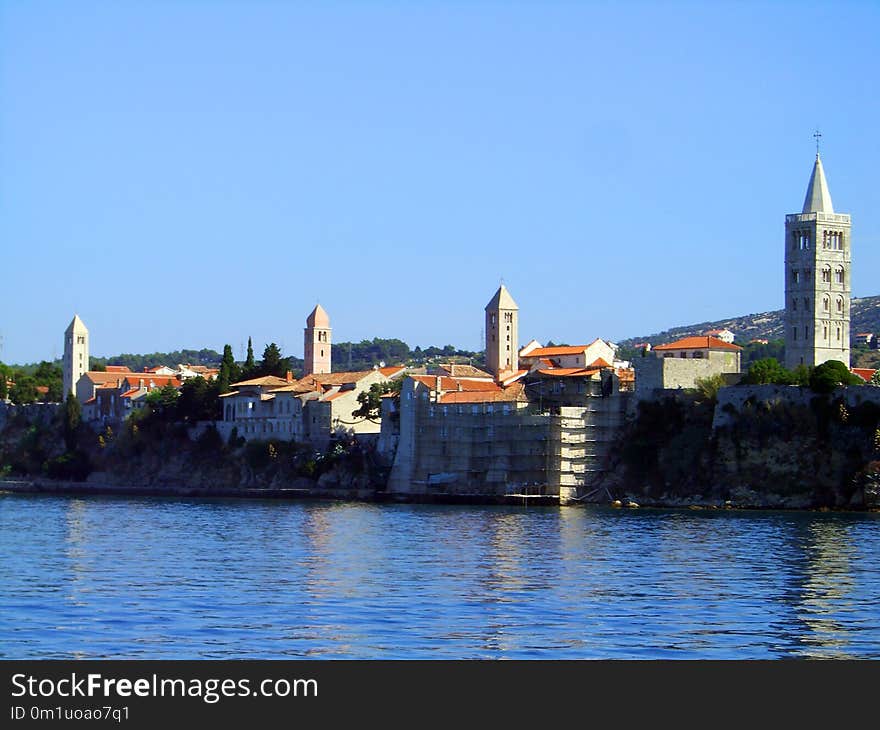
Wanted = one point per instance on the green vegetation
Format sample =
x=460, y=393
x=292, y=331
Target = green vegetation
x=371, y=400
x=137, y=363
x=708, y=386
x=826, y=377
x=230, y=372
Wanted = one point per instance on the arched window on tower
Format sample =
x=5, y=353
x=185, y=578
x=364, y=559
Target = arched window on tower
x=825, y=304
x=826, y=274
x=795, y=276
x=838, y=275
x=840, y=305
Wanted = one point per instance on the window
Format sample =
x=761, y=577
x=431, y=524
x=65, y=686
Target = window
x=838, y=334
x=825, y=333
x=825, y=304
x=826, y=274
x=840, y=305
x=683, y=354
x=795, y=276
x=794, y=304
x=698, y=354
x=806, y=304
x=838, y=275
x=794, y=333
x=806, y=332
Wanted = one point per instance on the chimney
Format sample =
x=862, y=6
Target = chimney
x=288, y=376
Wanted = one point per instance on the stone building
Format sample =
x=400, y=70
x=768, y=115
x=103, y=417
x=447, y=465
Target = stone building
x=318, y=342
x=817, y=278
x=544, y=430
x=681, y=363
x=76, y=355
x=502, y=333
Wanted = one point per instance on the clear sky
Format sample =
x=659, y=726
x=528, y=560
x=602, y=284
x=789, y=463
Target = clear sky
x=186, y=174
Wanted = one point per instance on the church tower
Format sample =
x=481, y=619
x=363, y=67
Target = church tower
x=817, y=279
x=76, y=355
x=317, y=342
x=502, y=333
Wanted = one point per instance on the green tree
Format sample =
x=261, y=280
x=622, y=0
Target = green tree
x=4, y=389
x=371, y=400
x=249, y=368
x=163, y=402
x=199, y=401
x=24, y=391
x=229, y=370
x=72, y=418
x=767, y=371
x=272, y=362
x=827, y=376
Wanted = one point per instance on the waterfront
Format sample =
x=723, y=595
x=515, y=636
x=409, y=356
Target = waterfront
x=172, y=578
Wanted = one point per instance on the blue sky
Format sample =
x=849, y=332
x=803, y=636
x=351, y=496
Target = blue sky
x=186, y=174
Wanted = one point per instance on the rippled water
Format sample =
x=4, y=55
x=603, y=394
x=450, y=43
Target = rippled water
x=154, y=578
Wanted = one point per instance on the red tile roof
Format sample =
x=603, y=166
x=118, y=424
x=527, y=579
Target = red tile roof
x=864, y=373
x=456, y=383
x=391, y=370
x=510, y=394
x=118, y=369
x=698, y=343
x=568, y=372
x=599, y=363
x=556, y=351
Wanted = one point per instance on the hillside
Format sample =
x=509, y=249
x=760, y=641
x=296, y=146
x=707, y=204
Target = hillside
x=768, y=325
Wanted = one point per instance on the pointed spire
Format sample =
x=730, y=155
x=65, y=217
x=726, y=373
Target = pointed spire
x=818, y=198
x=502, y=300
x=318, y=317
x=76, y=325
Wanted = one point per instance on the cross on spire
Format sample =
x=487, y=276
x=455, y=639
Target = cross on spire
x=817, y=135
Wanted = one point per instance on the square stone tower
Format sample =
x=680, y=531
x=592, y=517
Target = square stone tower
x=817, y=279
x=317, y=342
x=76, y=355
x=502, y=333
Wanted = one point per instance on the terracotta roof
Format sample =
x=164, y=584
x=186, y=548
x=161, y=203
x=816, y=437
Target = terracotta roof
x=864, y=373
x=118, y=369
x=338, y=394
x=510, y=394
x=334, y=378
x=625, y=374
x=392, y=370
x=130, y=393
x=266, y=380
x=156, y=380
x=599, y=363
x=90, y=400
x=568, y=372
x=556, y=351
x=294, y=388
x=455, y=370
x=698, y=343
x=456, y=383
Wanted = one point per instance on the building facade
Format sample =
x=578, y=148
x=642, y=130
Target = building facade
x=817, y=279
x=76, y=355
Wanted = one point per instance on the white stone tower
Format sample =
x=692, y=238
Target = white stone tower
x=76, y=355
x=502, y=333
x=317, y=342
x=817, y=279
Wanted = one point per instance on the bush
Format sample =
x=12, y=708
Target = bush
x=827, y=376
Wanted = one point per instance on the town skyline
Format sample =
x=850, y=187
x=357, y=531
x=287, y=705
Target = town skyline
x=231, y=186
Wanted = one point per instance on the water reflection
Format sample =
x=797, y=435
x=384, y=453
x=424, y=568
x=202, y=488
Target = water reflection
x=828, y=582
x=149, y=578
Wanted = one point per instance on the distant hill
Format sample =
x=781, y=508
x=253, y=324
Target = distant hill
x=767, y=325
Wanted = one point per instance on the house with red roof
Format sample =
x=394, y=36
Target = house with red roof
x=682, y=363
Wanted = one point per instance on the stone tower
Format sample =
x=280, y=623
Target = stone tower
x=817, y=279
x=502, y=333
x=317, y=344
x=76, y=355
